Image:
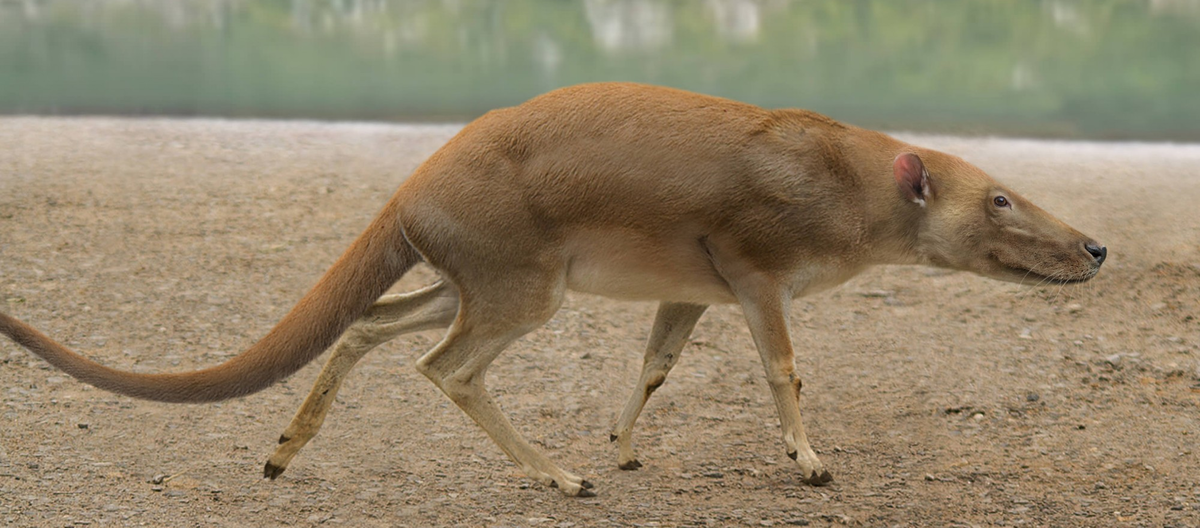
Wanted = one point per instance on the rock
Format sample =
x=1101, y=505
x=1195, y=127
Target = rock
x=1032, y=397
x=1074, y=308
x=877, y=294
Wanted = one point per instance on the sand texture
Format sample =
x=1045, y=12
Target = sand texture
x=935, y=398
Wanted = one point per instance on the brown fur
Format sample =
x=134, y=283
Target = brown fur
x=634, y=192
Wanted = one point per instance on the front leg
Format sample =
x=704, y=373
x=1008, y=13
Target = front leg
x=766, y=312
x=672, y=326
x=765, y=301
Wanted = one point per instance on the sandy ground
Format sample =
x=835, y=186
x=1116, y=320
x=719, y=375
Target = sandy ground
x=935, y=398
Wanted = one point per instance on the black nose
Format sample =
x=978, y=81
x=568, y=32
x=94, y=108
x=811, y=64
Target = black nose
x=1098, y=252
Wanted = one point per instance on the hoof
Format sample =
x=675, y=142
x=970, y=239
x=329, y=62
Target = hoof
x=283, y=439
x=612, y=438
x=819, y=480
x=271, y=470
x=585, y=488
x=631, y=465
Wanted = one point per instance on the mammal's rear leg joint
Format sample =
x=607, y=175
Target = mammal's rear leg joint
x=434, y=306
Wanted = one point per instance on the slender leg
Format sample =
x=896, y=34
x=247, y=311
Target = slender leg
x=765, y=301
x=487, y=323
x=766, y=312
x=432, y=307
x=672, y=326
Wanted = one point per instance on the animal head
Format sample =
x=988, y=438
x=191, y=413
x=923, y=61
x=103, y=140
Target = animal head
x=971, y=222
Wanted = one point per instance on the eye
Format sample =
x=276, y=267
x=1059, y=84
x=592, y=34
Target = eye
x=1000, y=201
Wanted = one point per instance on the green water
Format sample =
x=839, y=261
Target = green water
x=1092, y=69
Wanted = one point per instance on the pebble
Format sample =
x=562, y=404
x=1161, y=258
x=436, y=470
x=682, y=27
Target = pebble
x=1032, y=397
x=1074, y=308
x=877, y=294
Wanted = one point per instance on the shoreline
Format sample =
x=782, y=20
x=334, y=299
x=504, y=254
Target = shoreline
x=442, y=125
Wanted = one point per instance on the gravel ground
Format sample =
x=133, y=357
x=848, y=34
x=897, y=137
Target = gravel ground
x=935, y=398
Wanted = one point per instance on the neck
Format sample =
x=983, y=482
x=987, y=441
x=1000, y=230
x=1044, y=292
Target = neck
x=892, y=223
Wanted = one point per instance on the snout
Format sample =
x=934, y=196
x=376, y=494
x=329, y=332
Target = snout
x=1097, y=251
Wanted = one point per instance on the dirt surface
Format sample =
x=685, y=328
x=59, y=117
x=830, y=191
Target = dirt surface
x=935, y=398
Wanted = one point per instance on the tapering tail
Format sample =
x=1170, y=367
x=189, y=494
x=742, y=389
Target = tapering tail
x=376, y=260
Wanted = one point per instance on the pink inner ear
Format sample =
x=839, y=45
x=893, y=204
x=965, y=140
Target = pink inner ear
x=910, y=176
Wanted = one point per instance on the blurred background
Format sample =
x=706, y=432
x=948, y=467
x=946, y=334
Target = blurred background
x=1102, y=69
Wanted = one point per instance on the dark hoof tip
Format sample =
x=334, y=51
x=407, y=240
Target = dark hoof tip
x=612, y=438
x=272, y=471
x=819, y=480
x=585, y=493
x=586, y=485
x=631, y=465
x=792, y=455
x=283, y=439
x=553, y=483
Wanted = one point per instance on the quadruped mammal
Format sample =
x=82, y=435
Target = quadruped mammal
x=634, y=192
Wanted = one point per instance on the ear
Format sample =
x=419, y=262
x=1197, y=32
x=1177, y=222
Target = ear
x=912, y=178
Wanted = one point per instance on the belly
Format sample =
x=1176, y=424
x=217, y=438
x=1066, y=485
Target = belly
x=629, y=267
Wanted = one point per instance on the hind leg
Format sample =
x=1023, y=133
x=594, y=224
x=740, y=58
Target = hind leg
x=672, y=326
x=487, y=323
x=431, y=307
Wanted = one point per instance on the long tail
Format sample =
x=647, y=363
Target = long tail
x=376, y=260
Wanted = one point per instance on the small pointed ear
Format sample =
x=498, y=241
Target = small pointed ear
x=912, y=178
